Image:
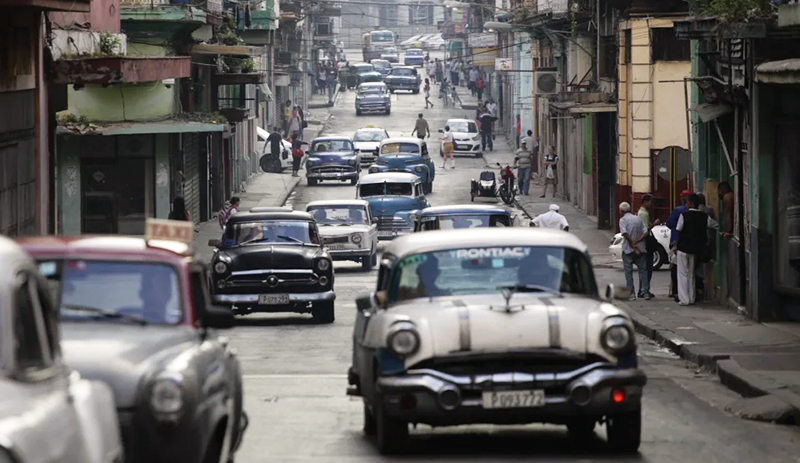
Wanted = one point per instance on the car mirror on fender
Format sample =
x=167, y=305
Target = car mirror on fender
x=373, y=300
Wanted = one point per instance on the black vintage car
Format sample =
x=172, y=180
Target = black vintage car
x=273, y=262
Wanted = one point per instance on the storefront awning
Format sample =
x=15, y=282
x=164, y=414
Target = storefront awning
x=783, y=72
x=138, y=128
x=710, y=111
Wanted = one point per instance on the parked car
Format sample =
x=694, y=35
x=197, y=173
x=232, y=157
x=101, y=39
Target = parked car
x=434, y=42
x=347, y=229
x=406, y=154
x=136, y=314
x=332, y=159
x=403, y=78
x=273, y=262
x=409, y=42
x=660, y=257
x=497, y=327
x=49, y=412
x=373, y=97
x=390, y=54
x=372, y=76
x=367, y=142
x=266, y=160
x=382, y=66
x=361, y=68
x=461, y=216
x=414, y=57
x=392, y=197
x=466, y=135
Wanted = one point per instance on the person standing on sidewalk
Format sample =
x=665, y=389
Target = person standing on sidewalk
x=421, y=128
x=438, y=71
x=522, y=160
x=486, y=120
x=650, y=242
x=473, y=76
x=633, y=251
x=672, y=224
x=551, y=171
x=297, y=156
x=294, y=125
x=518, y=131
x=551, y=219
x=287, y=115
x=231, y=207
x=331, y=83
x=491, y=106
x=693, y=226
x=179, y=211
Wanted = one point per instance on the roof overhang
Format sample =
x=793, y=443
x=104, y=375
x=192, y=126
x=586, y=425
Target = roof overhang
x=585, y=108
x=120, y=70
x=236, y=50
x=783, y=72
x=707, y=112
x=139, y=128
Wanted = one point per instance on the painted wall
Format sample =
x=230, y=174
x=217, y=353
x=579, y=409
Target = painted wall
x=70, y=43
x=147, y=50
x=103, y=17
x=133, y=102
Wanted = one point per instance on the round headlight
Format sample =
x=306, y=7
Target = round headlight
x=323, y=264
x=220, y=267
x=356, y=238
x=309, y=163
x=352, y=162
x=404, y=341
x=418, y=169
x=617, y=337
x=323, y=280
x=166, y=396
x=373, y=170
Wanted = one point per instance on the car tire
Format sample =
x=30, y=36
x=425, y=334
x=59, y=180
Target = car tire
x=368, y=262
x=370, y=427
x=388, y=111
x=391, y=434
x=660, y=258
x=415, y=91
x=624, y=432
x=358, y=112
x=427, y=187
x=581, y=428
x=275, y=166
x=323, y=312
x=312, y=182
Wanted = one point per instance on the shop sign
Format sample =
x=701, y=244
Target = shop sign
x=503, y=64
x=483, y=40
x=484, y=56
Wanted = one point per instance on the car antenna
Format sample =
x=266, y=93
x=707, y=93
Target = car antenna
x=507, y=294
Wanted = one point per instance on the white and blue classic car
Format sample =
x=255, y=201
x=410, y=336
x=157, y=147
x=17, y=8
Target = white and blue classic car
x=373, y=97
x=406, y=154
x=392, y=197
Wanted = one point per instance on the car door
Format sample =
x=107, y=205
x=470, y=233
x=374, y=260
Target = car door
x=362, y=350
x=373, y=229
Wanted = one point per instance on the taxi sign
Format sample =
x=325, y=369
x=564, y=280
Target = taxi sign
x=169, y=230
x=369, y=126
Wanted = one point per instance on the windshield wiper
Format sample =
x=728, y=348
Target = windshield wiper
x=530, y=289
x=289, y=238
x=106, y=313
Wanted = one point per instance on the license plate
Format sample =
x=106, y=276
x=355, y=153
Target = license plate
x=335, y=247
x=513, y=399
x=273, y=299
x=384, y=233
x=330, y=174
x=462, y=147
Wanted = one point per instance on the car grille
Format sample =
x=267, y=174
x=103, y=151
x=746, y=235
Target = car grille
x=336, y=239
x=333, y=169
x=488, y=365
x=289, y=282
x=387, y=223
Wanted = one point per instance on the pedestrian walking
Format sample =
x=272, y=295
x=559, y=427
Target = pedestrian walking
x=179, y=211
x=633, y=250
x=421, y=128
x=693, y=248
x=518, y=131
x=650, y=242
x=287, y=115
x=672, y=224
x=551, y=219
x=231, y=207
x=297, y=156
x=473, y=77
x=522, y=160
x=331, y=84
x=551, y=171
x=486, y=120
x=427, y=91
x=491, y=106
x=439, y=71
x=456, y=99
x=479, y=87
x=294, y=125
x=448, y=145
x=303, y=122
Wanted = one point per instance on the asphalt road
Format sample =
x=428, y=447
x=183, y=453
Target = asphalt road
x=295, y=371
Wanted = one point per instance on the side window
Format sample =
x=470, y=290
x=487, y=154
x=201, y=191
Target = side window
x=50, y=316
x=31, y=346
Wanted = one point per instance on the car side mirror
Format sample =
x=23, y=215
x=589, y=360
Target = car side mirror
x=220, y=317
x=372, y=300
x=609, y=290
x=375, y=220
x=214, y=243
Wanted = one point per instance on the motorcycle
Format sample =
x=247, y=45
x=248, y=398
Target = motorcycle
x=486, y=186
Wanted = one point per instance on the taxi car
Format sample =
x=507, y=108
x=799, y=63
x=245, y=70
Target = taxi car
x=135, y=313
x=414, y=57
x=392, y=197
x=403, y=78
x=466, y=136
x=390, y=54
x=367, y=140
x=373, y=97
x=461, y=216
x=332, y=159
x=347, y=229
x=406, y=154
x=381, y=65
x=48, y=410
x=273, y=262
x=500, y=327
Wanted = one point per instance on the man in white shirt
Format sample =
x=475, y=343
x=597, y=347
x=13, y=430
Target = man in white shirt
x=473, y=76
x=491, y=106
x=551, y=219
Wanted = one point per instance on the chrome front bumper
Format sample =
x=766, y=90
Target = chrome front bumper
x=345, y=254
x=252, y=299
x=392, y=234
x=439, y=399
x=342, y=175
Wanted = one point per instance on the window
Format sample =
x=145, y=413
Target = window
x=394, y=148
x=340, y=215
x=331, y=146
x=271, y=232
x=421, y=15
x=31, y=345
x=665, y=46
x=628, y=46
x=608, y=57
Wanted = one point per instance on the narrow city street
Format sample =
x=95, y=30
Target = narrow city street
x=295, y=371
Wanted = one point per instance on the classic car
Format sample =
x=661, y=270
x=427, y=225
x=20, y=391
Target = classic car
x=269, y=163
x=461, y=216
x=403, y=78
x=361, y=68
x=660, y=258
x=367, y=141
x=273, y=262
x=392, y=197
x=499, y=327
x=373, y=97
x=406, y=154
x=347, y=229
x=369, y=77
x=332, y=159
x=390, y=54
x=466, y=136
x=49, y=413
x=414, y=57
x=135, y=313
x=382, y=66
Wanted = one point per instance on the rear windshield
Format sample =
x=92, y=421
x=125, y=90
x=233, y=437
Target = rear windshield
x=394, y=148
x=469, y=127
x=331, y=145
x=414, y=53
x=402, y=72
x=386, y=189
x=372, y=89
x=450, y=222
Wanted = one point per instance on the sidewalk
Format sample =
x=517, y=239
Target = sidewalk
x=760, y=361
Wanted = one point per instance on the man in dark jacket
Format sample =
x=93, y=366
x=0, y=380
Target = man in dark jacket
x=486, y=121
x=672, y=223
x=693, y=226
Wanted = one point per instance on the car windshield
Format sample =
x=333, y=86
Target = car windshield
x=484, y=270
x=390, y=51
x=414, y=53
x=382, y=64
x=361, y=68
x=372, y=89
x=369, y=135
x=121, y=291
x=338, y=215
x=386, y=189
x=450, y=222
x=382, y=36
x=462, y=126
x=371, y=77
x=331, y=145
x=270, y=231
x=395, y=148
x=405, y=72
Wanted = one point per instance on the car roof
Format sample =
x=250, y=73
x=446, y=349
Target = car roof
x=403, y=177
x=463, y=209
x=88, y=245
x=338, y=202
x=413, y=140
x=371, y=129
x=256, y=216
x=331, y=138
x=405, y=67
x=442, y=240
x=372, y=84
x=459, y=120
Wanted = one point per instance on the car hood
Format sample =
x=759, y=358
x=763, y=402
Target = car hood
x=392, y=77
x=390, y=205
x=121, y=355
x=367, y=145
x=464, y=135
x=372, y=97
x=269, y=256
x=339, y=230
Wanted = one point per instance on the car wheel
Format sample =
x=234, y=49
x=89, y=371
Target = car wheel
x=375, y=258
x=369, y=421
x=427, y=187
x=581, y=428
x=391, y=434
x=312, y=182
x=358, y=112
x=368, y=262
x=624, y=432
x=388, y=111
x=660, y=258
x=274, y=166
x=415, y=91
x=323, y=312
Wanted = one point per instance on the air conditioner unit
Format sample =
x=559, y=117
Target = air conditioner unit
x=546, y=82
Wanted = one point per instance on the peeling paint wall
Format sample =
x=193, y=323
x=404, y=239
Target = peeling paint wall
x=69, y=185
x=139, y=102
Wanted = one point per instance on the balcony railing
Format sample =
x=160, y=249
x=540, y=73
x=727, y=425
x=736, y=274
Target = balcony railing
x=210, y=6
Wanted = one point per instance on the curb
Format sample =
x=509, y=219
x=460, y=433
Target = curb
x=284, y=197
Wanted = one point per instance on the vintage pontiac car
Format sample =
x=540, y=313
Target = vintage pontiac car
x=48, y=412
x=348, y=230
x=373, y=97
x=392, y=197
x=406, y=154
x=332, y=159
x=135, y=313
x=461, y=216
x=367, y=140
x=403, y=78
x=494, y=327
x=273, y=262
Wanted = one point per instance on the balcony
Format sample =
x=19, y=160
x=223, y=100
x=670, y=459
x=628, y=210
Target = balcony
x=263, y=23
x=70, y=6
x=160, y=20
x=119, y=70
